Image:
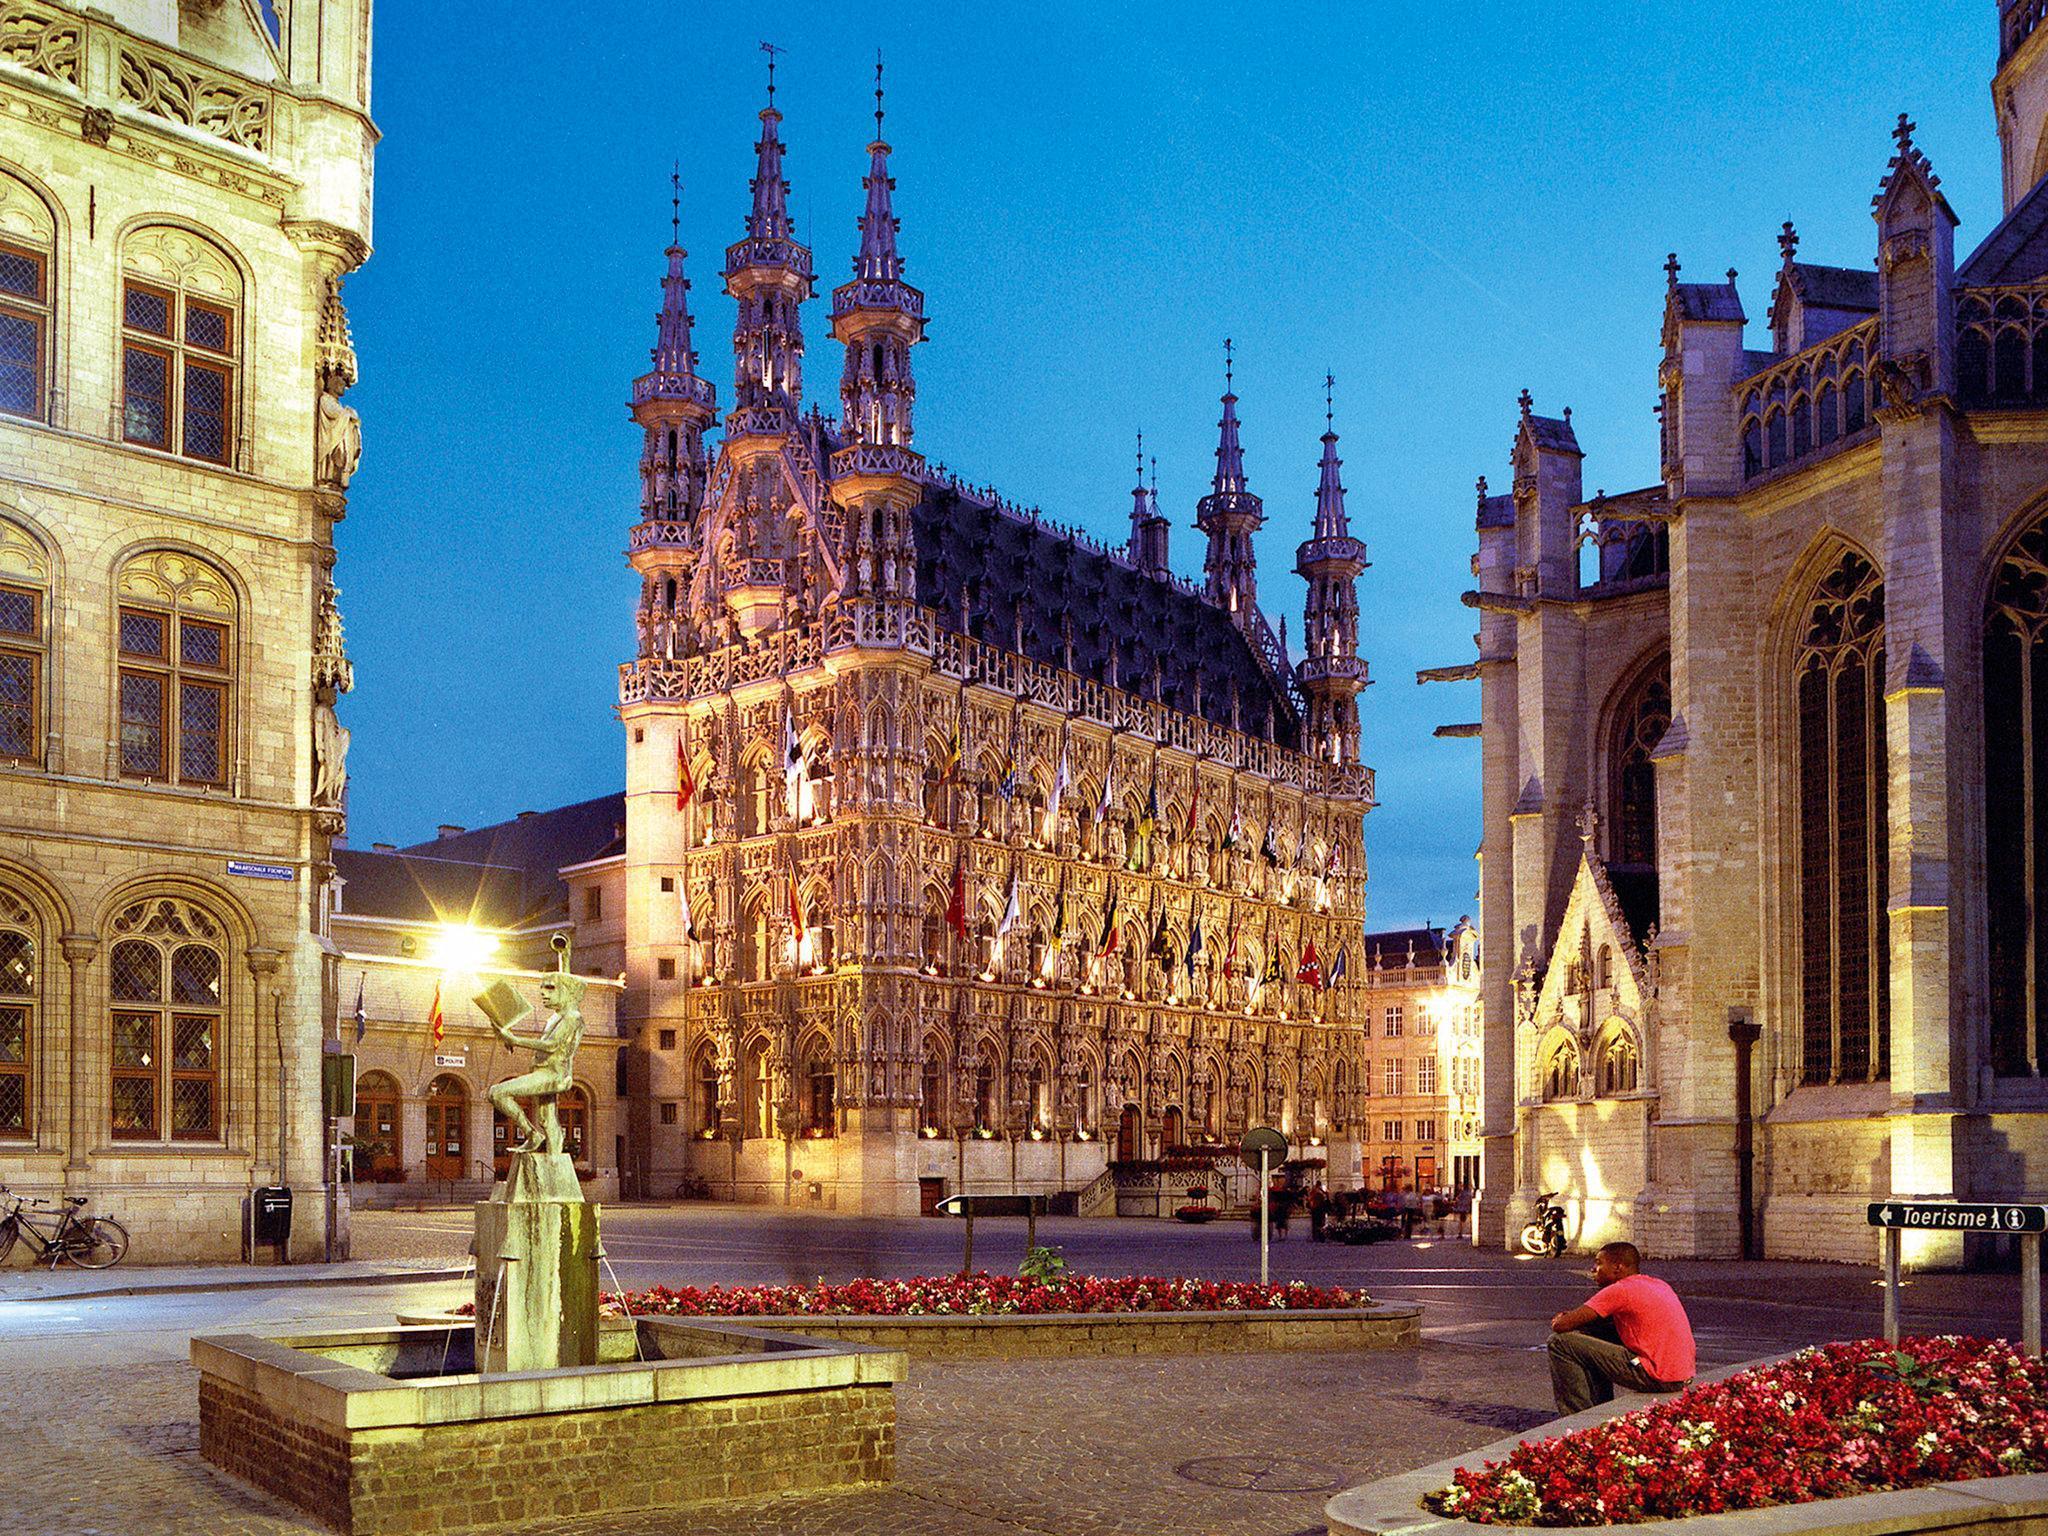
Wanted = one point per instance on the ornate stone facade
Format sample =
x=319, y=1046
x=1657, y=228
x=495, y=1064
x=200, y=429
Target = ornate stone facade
x=1758, y=752
x=962, y=853
x=182, y=190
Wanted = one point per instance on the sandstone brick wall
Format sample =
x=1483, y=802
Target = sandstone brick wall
x=393, y=1482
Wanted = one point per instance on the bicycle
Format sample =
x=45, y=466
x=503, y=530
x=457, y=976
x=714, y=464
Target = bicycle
x=59, y=1232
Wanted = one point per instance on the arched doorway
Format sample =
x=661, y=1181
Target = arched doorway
x=379, y=1141
x=1171, y=1135
x=1127, y=1135
x=447, y=1110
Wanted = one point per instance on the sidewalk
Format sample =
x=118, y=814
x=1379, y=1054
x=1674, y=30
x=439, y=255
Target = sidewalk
x=68, y=1284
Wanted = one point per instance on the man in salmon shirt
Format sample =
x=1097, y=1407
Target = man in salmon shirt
x=1632, y=1332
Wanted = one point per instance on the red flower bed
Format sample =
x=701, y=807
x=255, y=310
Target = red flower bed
x=980, y=1295
x=1823, y=1424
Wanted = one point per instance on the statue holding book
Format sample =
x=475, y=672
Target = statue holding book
x=554, y=1051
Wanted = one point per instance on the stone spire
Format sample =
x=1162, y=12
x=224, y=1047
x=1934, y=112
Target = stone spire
x=876, y=477
x=1331, y=673
x=769, y=274
x=1149, y=526
x=673, y=407
x=1230, y=514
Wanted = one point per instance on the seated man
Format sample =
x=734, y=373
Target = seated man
x=1632, y=1333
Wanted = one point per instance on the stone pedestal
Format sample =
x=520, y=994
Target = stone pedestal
x=536, y=1268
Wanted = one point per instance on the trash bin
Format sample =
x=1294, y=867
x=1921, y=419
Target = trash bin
x=273, y=1216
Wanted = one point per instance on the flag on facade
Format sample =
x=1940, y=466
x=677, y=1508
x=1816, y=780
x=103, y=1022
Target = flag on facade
x=1161, y=948
x=686, y=782
x=1275, y=971
x=1269, y=850
x=796, y=915
x=1341, y=966
x=1013, y=912
x=1233, y=835
x=1194, y=804
x=1058, y=941
x=1310, y=973
x=1230, y=949
x=1059, y=788
x=1194, y=940
x=1108, y=794
x=1110, y=935
x=362, y=1023
x=689, y=913
x=1149, y=817
x=956, y=904
x=792, y=760
x=949, y=760
x=1006, y=785
x=437, y=1025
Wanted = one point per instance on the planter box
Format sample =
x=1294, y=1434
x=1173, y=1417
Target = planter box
x=385, y=1432
x=1987, y=1506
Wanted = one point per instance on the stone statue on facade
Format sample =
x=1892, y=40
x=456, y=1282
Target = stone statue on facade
x=330, y=756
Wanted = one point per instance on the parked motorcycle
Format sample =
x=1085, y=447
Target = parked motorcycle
x=1546, y=1233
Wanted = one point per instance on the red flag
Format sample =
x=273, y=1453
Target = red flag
x=686, y=783
x=435, y=1021
x=796, y=916
x=1194, y=804
x=956, y=906
x=1311, y=972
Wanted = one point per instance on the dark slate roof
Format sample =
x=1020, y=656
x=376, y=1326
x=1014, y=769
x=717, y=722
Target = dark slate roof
x=1852, y=288
x=1708, y=301
x=1497, y=512
x=1009, y=567
x=421, y=889
x=502, y=876
x=1552, y=434
x=2016, y=251
x=1391, y=946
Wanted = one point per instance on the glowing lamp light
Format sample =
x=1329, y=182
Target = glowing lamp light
x=460, y=947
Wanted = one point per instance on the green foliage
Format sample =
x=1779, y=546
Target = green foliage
x=1045, y=1265
x=1910, y=1373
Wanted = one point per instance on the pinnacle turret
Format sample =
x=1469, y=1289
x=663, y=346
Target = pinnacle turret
x=1230, y=514
x=769, y=274
x=1330, y=672
x=1149, y=526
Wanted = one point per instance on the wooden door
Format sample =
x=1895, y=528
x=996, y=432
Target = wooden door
x=447, y=1109
x=1127, y=1135
x=380, y=1149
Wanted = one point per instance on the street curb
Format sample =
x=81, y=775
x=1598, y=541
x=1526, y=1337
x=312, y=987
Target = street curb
x=376, y=1277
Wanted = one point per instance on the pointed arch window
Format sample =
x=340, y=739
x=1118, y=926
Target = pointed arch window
x=2016, y=804
x=181, y=323
x=24, y=644
x=175, y=634
x=704, y=1083
x=167, y=989
x=28, y=242
x=760, y=1092
x=1561, y=1072
x=1844, y=940
x=18, y=1032
x=1618, y=1063
x=820, y=1093
x=931, y=1101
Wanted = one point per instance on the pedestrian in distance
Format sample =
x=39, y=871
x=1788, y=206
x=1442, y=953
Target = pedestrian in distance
x=1632, y=1332
x=1318, y=1211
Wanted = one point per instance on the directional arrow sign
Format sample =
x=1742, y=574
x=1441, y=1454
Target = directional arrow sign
x=1950, y=1216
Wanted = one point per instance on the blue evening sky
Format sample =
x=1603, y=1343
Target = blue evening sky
x=1443, y=204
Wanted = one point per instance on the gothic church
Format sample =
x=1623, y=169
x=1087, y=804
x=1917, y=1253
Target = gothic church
x=1765, y=767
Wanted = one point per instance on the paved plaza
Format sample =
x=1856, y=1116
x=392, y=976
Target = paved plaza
x=102, y=1406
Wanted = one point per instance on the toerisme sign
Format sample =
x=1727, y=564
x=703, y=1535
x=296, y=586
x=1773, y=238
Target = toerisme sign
x=1948, y=1216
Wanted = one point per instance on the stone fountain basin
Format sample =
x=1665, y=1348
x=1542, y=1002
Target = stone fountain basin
x=368, y=1432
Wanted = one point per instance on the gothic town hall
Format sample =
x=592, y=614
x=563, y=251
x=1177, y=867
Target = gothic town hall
x=962, y=852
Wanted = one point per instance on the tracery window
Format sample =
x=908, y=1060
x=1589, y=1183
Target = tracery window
x=2016, y=804
x=1806, y=402
x=931, y=1107
x=181, y=321
x=28, y=242
x=1639, y=723
x=24, y=644
x=166, y=982
x=1618, y=1063
x=760, y=1092
x=985, y=1095
x=175, y=633
x=1844, y=942
x=819, y=1093
x=704, y=1117
x=1561, y=1072
x=18, y=1033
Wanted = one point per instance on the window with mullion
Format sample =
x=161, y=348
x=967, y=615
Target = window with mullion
x=21, y=673
x=138, y=1057
x=174, y=697
x=177, y=372
x=24, y=330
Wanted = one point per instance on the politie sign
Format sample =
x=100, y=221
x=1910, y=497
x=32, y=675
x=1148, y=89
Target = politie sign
x=1946, y=1216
